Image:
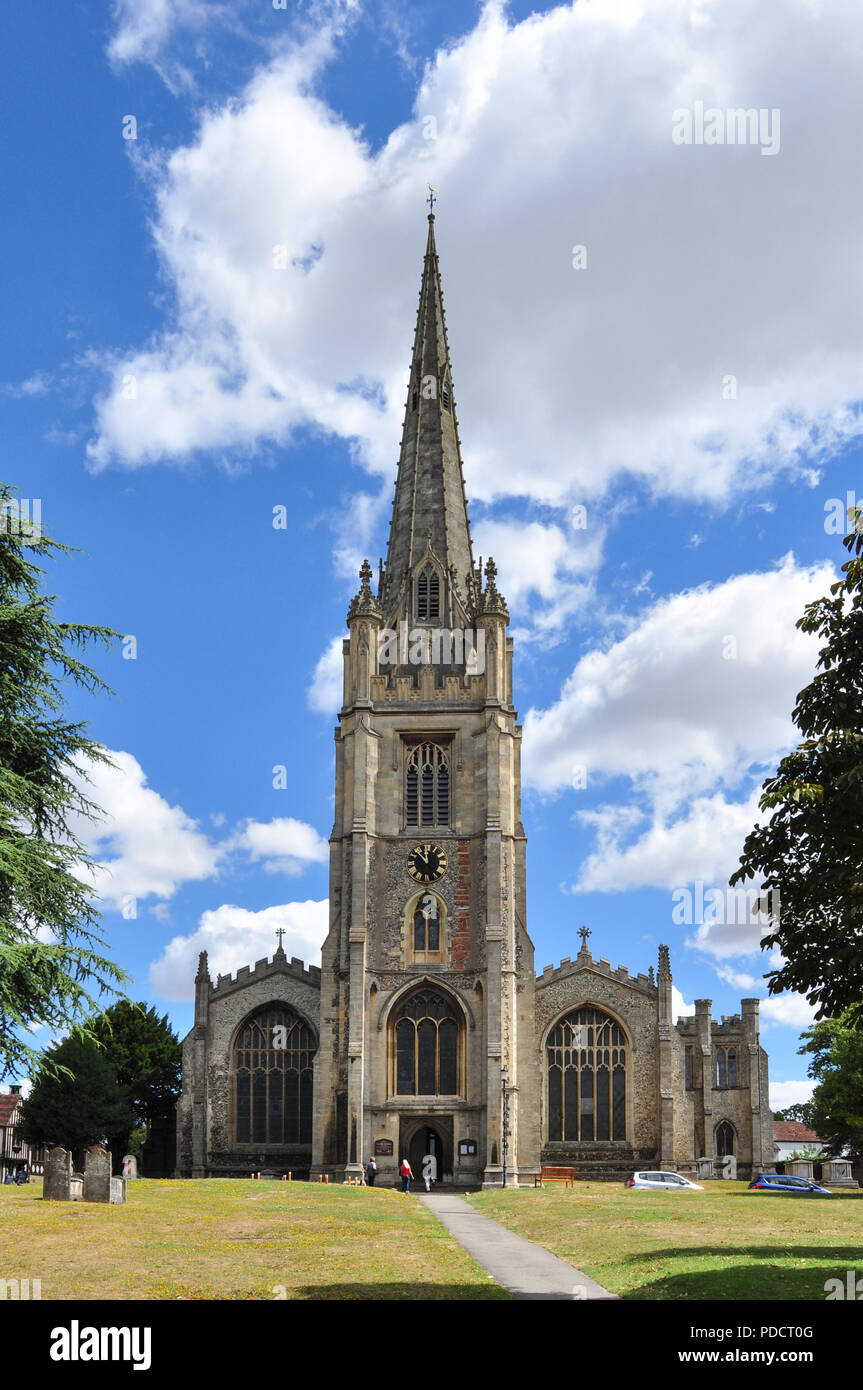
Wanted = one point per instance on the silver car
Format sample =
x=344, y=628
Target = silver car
x=663, y=1182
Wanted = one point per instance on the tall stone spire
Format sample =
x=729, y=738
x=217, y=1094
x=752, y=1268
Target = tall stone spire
x=430, y=507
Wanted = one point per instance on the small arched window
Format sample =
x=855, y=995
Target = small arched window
x=427, y=786
x=726, y=1066
x=724, y=1139
x=427, y=925
x=428, y=593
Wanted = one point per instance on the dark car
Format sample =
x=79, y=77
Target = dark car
x=793, y=1187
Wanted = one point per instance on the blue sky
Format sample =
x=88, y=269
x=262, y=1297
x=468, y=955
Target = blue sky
x=694, y=386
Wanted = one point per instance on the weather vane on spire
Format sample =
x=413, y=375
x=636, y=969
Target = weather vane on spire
x=431, y=198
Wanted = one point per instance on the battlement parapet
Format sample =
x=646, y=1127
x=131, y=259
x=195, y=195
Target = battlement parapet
x=263, y=969
x=584, y=961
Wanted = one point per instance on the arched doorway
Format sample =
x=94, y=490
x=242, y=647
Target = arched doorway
x=425, y=1134
x=426, y=1140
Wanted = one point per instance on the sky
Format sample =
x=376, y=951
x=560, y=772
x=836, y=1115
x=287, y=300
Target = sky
x=210, y=258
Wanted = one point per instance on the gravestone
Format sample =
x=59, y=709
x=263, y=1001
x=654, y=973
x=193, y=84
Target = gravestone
x=57, y=1178
x=836, y=1172
x=130, y=1166
x=76, y=1187
x=800, y=1167
x=97, y=1174
x=705, y=1167
x=118, y=1191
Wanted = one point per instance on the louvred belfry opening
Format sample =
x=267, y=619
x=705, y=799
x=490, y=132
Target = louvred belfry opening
x=427, y=800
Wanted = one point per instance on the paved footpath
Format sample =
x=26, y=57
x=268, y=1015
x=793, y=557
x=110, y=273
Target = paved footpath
x=526, y=1269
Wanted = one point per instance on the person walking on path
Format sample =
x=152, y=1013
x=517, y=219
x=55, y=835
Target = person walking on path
x=429, y=1171
x=371, y=1172
x=406, y=1173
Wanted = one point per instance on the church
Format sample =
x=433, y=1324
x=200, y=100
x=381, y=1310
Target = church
x=426, y=1028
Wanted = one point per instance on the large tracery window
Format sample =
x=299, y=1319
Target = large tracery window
x=427, y=786
x=426, y=1040
x=428, y=593
x=273, y=1058
x=586, y=1058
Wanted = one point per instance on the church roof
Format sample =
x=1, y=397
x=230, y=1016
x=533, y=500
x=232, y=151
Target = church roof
x=430, y=506
x=8, y=1106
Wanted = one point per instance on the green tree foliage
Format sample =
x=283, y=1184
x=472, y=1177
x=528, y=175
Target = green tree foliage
x=76, y=1099
x=51, y=971
x=836, y=1050
x=145, y=1054
x=811, y=849
x=801, y=1113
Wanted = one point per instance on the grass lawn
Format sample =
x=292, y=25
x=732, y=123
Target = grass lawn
x=723, y=1243
x=232, y=1238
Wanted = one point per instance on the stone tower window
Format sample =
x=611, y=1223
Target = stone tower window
x=273, y=1057
x=687, y=1068
x=427, y=925
x=427, y=786
x=586, y=1063
x=726, y=1066
x=425, y=1034
x=724, y=1139
x=428, y=593
x=445, y=398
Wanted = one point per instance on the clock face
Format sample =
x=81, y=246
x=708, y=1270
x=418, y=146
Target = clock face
x=427, y=863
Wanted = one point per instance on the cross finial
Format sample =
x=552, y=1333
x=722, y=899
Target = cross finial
x=431, y=200
x=584, y=933
x=280, y=931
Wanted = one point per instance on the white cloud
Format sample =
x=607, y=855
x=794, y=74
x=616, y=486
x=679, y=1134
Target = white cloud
x=285, y=845
x=143, y=846
x=791, y=1010
x=691, y=275
x=785, y=1093
x=235, y=936
x=548, y=569
x=324, y=694
x=665, y=708
x=679, y=1006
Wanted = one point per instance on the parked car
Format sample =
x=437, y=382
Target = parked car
x=793, y=1187
x=663, y=1182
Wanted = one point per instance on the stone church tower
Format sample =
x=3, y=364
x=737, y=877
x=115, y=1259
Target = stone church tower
x=426, y=1029
x=427, y=981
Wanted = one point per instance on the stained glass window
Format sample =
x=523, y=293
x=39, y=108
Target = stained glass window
x=586, y=1060
x=273, y=1058
x=426, y=1032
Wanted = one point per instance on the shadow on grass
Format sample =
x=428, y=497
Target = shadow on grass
x=750, y=1282
x=401, y=1293
x=741, y=1284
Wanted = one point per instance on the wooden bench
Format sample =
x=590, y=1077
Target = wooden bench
x=564, y=1175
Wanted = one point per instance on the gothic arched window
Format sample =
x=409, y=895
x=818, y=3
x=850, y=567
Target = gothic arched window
x=428, y=593
x=586, y=1061
x=427, y=786
x=425, y=1033
x=726, y=1066
x=427, y=925
x=273, y=1057
x=724, y=1139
